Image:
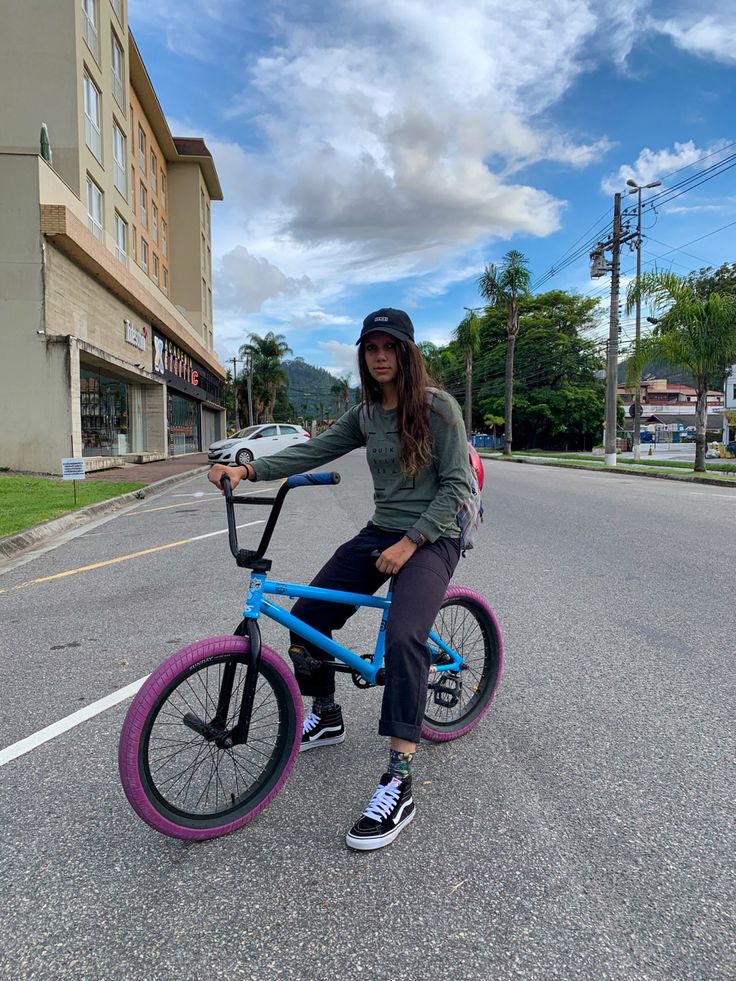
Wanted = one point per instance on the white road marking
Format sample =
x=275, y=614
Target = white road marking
x=64, y=725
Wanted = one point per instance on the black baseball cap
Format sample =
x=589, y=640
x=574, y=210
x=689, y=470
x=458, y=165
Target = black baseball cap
x=389, y=321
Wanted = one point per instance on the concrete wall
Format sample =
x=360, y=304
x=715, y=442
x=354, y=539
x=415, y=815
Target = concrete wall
x=187, y=262
x=39, y=79
x=77, y=304
x=34, y=375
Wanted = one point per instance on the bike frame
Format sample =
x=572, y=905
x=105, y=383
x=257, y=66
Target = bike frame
x=257, y=604
x=369, y=669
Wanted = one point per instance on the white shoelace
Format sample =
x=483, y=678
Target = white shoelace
x=383, y=801
x=311, y=722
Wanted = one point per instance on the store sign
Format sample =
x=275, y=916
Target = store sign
x=182, y=372
x=134, y=336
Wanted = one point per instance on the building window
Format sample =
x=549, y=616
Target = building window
x=92, y=136
x=163, y=237
x=207, y=206
x=121, y=238
x=118, y=157
x=209, y=262
x=209, y=303
x=118, y=89
x=203, y=260
x=133, y=246
x=141, y=149
x=166, y=280
x=94, y=209
x=132, y=189
x=154, y=172
x=144, y=255
x=155, y=268
x=143, y=202
x=117, y=6
x=89, y=27
x=201, y=203
x=154, y=222
x=163, y=189
x=204, y=300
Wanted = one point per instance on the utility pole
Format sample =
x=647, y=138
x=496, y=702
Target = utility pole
x=234, y=362
x=600, y=268
x=637, y=189
x=248, y=366
x=612, y=364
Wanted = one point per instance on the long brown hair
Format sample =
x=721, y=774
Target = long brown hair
x=412, y=380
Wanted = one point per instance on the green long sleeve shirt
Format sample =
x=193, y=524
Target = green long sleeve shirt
x=428, y=501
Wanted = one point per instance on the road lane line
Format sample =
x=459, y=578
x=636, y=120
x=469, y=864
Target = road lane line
x=64, y=725
x=125, y=558
x=204, y=500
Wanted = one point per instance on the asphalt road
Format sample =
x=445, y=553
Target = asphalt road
x=584, y=830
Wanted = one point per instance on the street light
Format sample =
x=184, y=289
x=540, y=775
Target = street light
x=637, y=189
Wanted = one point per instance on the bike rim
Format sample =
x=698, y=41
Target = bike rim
x=463, y=628
x=192, y=780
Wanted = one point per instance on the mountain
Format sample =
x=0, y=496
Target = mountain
x=309, y=386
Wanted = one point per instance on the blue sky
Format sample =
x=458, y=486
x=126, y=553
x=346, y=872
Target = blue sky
x=381, y=156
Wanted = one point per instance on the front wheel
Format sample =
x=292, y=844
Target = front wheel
x=242, y=457
x=178, y=773
x=458, y=700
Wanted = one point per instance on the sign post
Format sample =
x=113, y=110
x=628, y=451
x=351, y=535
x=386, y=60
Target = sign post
x=72, y=468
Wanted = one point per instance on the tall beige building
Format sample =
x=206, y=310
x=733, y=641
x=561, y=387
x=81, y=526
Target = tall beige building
x=106, y=334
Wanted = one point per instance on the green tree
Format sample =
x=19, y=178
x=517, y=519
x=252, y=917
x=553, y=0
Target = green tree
x=710, y=280
x=503, y=287
x=341, y=390
x=267, y=371
x=437, y=361
x=558, y=402
x=694, y=332
x=467, y=336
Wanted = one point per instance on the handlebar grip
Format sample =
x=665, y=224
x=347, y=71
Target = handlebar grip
x=309, y=479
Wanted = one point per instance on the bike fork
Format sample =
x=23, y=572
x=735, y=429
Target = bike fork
x=239, y=735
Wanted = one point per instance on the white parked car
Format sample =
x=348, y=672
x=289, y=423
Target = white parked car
x=248, y=444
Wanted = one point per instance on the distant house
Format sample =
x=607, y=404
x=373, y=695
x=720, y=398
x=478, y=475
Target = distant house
x=672, y=406
x=729, y=428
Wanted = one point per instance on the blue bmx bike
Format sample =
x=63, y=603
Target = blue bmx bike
x=213, y=733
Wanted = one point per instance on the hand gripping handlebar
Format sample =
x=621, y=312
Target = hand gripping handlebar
x=247, y=558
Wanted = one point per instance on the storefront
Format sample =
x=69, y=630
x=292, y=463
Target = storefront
x=112, y=413
x=194, y=398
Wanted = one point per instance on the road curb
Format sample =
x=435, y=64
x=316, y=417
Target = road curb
x=13, y=545
x=625, y=472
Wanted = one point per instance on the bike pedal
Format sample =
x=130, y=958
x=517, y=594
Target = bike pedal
x=303, y=661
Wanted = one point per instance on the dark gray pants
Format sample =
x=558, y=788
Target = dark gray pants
x=418, y=592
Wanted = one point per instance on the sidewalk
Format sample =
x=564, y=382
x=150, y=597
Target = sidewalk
x=157, y=477
x=150, y=473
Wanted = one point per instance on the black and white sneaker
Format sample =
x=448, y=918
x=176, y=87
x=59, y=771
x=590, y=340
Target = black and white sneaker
x=322, y=730
x=390, y=809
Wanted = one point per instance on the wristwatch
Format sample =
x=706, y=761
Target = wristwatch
x=415, y=536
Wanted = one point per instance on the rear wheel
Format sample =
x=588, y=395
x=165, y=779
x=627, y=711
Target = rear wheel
x=179, y=777
x=242, y=457
x=458, y=700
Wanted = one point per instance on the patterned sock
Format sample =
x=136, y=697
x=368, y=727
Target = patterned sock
x=323, y=703
x=399, y=764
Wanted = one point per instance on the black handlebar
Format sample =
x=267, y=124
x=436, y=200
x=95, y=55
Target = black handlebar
x=248, y=558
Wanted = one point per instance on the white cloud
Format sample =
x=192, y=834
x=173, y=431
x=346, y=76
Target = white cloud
x=343, y=360
x=244, y=282
x=652, y=165
x=708, y=36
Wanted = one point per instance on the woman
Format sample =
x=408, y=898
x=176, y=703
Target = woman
x=418, y=457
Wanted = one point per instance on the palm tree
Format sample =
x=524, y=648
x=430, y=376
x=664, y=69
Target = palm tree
x=341, y=391
x=503, y=287
x=467, y=336
x=692, y=332
x=267, y=372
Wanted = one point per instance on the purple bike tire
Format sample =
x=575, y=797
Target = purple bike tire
x=440, y=736
x=141, y=706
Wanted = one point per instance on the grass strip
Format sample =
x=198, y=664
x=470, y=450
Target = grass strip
x=26, y=501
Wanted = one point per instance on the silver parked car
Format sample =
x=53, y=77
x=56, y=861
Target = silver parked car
x=248, y=444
